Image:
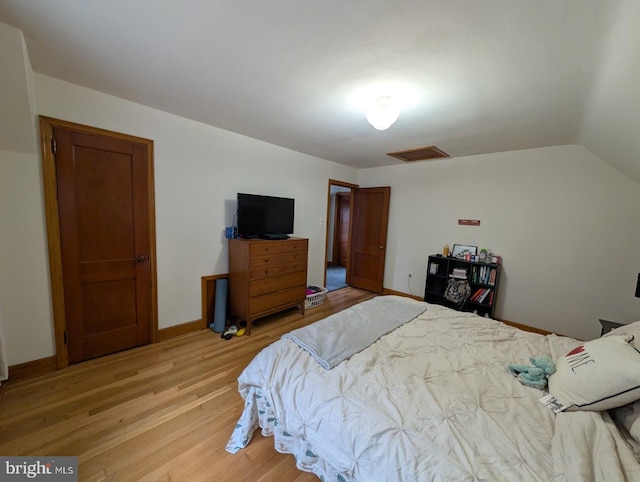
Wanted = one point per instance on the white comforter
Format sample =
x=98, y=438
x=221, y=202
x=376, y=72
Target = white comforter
x=432, y=400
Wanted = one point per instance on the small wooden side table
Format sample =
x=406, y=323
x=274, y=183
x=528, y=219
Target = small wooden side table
x=607, y=325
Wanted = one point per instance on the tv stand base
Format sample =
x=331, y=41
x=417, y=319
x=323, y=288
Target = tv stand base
x=273, y=237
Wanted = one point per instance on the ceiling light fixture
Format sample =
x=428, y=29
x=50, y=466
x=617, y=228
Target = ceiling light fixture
x=383, y=113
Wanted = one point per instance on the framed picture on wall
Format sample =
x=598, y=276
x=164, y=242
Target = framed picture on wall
x=459, y=250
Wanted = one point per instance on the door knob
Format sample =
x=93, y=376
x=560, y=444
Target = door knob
x=140, y=259
x=381, y=247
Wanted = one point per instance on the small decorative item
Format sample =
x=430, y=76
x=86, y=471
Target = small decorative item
x=483, y=255
x=433, y=268
x=445, y=250
x=460, y=251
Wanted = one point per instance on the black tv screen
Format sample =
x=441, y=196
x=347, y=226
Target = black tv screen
x=265, y=216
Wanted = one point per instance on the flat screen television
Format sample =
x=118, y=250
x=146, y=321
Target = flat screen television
x=266, y=217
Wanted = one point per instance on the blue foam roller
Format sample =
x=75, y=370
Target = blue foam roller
x=220, y=307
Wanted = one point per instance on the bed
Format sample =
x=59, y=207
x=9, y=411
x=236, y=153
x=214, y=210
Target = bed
x=430, y=400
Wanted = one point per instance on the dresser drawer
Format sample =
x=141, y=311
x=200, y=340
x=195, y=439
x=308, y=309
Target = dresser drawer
x=266, y=248
x=295, y=245
x=276, y=283
x=271, y=300
x=271, y=260
x=265, y=272
x=266, y=261
x=291, y=267
x=293, y=257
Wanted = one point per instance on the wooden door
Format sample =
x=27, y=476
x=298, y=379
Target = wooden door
x=342, y=227
x=370, y=215
x=103, y=194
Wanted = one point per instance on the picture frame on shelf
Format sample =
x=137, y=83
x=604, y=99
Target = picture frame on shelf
x=459, y=250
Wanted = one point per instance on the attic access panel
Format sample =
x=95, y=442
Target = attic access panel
x=419, y=154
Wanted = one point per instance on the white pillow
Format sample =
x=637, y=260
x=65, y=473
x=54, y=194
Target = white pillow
x=630, y=329
x=598, y=375
x=629, y=417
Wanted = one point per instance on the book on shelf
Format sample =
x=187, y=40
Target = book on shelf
x=475, y=295
x=483, y=275
x=492, y=277
x=481, y=295
x=484, y=295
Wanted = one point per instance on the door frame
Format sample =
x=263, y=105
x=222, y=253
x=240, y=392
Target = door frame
x=353, y=187
x=47, y=125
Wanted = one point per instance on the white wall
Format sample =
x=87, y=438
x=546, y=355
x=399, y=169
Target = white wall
x=25, y=300
x=17, y=126
x=24, y=275
x=566, y=223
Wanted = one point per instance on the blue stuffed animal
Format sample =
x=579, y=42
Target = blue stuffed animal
x=534, y=376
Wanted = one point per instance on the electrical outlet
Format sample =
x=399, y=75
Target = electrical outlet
x=410, y=274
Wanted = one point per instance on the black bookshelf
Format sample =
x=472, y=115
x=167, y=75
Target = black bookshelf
x=483, y=279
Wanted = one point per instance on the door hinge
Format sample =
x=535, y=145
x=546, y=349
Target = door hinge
x=54, y=146
x=66, y=337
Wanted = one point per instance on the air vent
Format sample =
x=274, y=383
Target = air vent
x=419, y=154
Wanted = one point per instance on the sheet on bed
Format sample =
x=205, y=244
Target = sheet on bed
x=335, y=338
x=432, y=400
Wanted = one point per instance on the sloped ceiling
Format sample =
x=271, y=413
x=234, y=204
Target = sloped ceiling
x=470, y=77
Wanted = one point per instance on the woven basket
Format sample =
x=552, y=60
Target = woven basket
x=316, y=299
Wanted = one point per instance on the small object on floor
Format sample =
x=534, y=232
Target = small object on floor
x=241, y=331
x=313, y=289
x=230, y=333
x=534, y=376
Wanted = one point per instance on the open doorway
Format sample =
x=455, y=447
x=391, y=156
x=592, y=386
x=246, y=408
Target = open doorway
x=338, y=241
x=364, y=235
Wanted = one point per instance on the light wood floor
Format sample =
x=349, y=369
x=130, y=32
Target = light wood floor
x=160, y=412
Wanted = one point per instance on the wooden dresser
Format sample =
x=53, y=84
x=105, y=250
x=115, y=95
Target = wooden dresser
x=266, y=277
